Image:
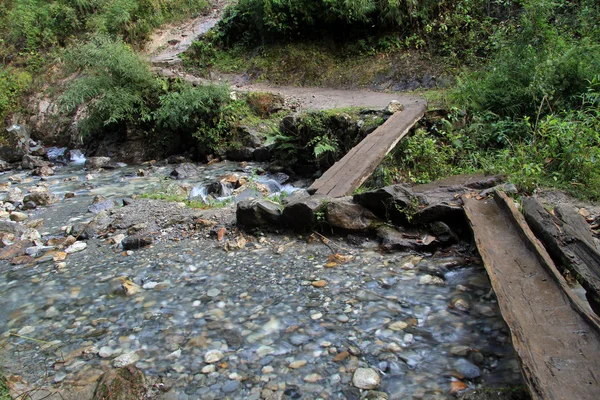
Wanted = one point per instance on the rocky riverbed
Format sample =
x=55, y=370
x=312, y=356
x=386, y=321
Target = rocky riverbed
x=207, y=311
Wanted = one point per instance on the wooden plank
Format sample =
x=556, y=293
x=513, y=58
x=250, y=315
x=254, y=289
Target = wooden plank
x=358, y=164
x=371, y=152
x=570, y=243
x=555, y=337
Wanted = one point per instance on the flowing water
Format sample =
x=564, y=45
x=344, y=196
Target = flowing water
x=422, y=321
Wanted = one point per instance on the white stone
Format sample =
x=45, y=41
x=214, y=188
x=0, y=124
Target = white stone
x=109, y=352
x=263, y=351
x=126, y=359
x=398, y=326
x=366, y=378
x=26, y=330
x=208, y=369
x=213, y=356
x=75, y=247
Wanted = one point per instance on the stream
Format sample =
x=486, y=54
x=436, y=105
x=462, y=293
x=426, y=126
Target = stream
x=272, y=319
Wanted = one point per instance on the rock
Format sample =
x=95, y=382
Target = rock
x=457, y=386
x=253, y=213
x=302, y=214
x=297, y=364
x=398, y=326
x=137, y=242
x=312, y=378
x=375, y=395
x=230, y=386
x=208, y=369
x=15, y=195
x=18, y=216
x=17, y=145
x=467, y=369
x=4, y=166
x=117, y=239
x=392, y=239
x=124, y=286
x=126, y=359
x=213, y=356
x=29, y=205
x=443, y=233
x=319, y=284
x=241, y=154
x=96, y=162
x=43, y=171
x=389, y=203
x=41, y=198
x=105, y=205
x=185, y=170
x=109, y=352
x=76, y=247
x=366, y=378
x=126, y=383
x=394, y=106
x=33, y=162
x=12, y=227
x=345, y=214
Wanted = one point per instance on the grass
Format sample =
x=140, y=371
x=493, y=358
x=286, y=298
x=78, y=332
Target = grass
x=321, y=63
x=4, y=391
x=190, y=203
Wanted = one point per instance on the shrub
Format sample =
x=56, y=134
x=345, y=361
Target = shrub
x=115, y=83
x=197, y=111
x=13, y=83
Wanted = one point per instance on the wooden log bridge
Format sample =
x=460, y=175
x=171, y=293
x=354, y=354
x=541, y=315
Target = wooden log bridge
x=555, y=334
x=346, y=175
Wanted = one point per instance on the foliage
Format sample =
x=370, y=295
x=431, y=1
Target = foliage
x=39, y=24
x=115, y=84
x=201, y=111
x=13, y=84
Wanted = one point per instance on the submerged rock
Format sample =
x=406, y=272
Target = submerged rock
x=126, y=383
x=96, y=162
x=366, y=378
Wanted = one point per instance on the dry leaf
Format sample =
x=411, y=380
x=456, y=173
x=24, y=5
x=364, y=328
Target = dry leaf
x=221, y=234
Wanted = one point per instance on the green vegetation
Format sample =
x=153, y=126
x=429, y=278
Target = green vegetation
x=316, y=140
x=532, y=111
x=4, y=391
x=33, y=33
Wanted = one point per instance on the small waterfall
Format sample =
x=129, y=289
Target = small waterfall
x=199, y=192
x=77, y=157
x=56, y=154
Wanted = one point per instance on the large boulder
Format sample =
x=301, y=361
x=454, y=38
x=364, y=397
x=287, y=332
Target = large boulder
x=389, y=203
x=185, y=170
x=97, y=162
x=254, y=213
x=17, y=144
x=33, y=162
x=345, y=214
x=41, y=198
x=304, y=213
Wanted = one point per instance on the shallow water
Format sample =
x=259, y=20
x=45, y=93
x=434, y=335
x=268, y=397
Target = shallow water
x=415, y=318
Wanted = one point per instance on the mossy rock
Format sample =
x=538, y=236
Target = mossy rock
x=126, y=383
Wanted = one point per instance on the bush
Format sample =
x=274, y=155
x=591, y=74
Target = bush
x=116, y=85
x=13, y=83
x=201, y=112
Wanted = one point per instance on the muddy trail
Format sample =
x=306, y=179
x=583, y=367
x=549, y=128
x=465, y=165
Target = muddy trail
x=166, y=45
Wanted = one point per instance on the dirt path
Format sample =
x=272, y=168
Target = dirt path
x=166, y=45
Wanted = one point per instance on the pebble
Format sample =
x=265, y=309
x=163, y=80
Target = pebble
x=109, y=352
x=312, y=378
x=76, y=247
x=26, y=330
x=398, y=326
x=319, y=284
x=297, y=364
x=316, y=316
x=18, y=216
x=366, y=378
x=467, y=369
x=263, y=351
x=230, y=386
x=213, y=356
x=213, y=292
x=207, y=369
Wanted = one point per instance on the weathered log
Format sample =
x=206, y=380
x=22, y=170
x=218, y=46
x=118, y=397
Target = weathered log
x=555, y=336
x=569, y=242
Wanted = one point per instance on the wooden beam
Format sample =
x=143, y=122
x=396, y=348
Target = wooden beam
x=555, y=335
